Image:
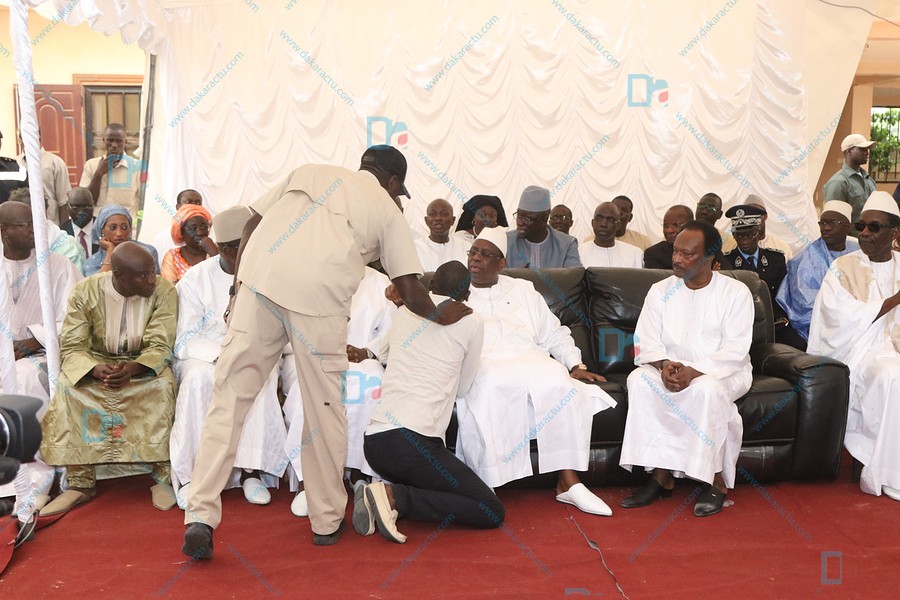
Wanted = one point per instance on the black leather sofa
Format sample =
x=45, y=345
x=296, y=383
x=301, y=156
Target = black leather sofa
x=794, y=414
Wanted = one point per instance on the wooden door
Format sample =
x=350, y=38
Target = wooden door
x=60, y=116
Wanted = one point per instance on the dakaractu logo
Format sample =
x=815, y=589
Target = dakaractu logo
x=382, y=130
x=644, y=91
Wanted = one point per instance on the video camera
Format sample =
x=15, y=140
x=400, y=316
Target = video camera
x=20, y=433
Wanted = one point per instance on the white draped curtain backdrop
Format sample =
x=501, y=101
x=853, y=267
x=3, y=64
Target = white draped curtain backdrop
x=589, y=99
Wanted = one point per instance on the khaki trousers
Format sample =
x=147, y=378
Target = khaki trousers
x=257, y=333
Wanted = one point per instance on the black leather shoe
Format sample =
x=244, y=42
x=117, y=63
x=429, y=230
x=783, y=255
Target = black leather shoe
x=646, y=495
x=198, y=541
x=710, y=502
x=331, y=538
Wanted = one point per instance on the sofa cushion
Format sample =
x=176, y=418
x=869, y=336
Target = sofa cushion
x=769, y=410
x=615, y=298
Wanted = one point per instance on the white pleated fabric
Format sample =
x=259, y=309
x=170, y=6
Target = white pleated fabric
x=538, y=95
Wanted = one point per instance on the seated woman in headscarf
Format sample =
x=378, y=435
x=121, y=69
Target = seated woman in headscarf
x=111, y=228
x=190, y=232
x=480, y=212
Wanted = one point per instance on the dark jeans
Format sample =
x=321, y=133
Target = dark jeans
x=430, y=483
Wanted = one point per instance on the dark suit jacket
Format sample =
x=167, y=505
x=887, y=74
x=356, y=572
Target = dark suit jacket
x=771, y=268
x=659, y=256
x=67, y=227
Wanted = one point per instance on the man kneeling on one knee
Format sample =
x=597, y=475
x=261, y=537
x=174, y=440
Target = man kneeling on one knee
x=427, y=368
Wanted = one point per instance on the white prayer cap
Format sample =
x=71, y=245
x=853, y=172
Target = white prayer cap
x=495, y=235
x=228, y=225
x=840, y=207
x=535, y=199
x=855, y=140
x=884, y=202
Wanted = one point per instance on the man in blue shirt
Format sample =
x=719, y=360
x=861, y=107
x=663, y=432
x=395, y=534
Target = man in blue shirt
x=806, y=271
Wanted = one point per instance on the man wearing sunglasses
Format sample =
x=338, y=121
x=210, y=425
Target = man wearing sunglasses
x=852, y=183
x=856, y=320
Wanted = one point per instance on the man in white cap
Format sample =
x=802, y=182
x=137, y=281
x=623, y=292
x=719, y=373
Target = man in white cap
x=852, y=183
x=202, y=300
x=856, y=320
x=520, y=392
x=534, y=244
x=806, y=271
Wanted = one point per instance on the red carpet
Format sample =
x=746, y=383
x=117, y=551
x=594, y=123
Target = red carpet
x=119, y=546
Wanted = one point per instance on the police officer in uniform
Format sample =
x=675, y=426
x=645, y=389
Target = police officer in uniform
x=12, y=175
x=770, y=265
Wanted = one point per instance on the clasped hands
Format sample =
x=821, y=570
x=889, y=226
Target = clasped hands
x=117, y=375
x=677, y=376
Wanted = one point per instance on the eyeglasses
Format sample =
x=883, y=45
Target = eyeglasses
x=16, y=225
x=874, y=226
x=229, y=245
x=744, y=235
x=79, y=208
x=482, y=253
x=525, y=220
x=562, y=218
x=711, y=207
x=831, y=222
x=610, y=220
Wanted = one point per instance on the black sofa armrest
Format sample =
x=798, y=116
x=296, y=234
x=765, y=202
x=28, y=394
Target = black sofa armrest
x=823, y=388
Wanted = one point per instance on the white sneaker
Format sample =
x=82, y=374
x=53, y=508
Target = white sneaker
x=581, y=498
x=255, y=491
x=890, y=492
x=299, y=506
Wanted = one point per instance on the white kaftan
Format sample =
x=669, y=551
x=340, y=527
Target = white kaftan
x=432, y=255
x=202, y=300
x=620, y=255
x=25, y=320
x=695, y=432
x=521, y=393
x=844, y=327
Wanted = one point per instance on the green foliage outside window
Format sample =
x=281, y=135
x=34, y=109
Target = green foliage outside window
x=886, y=131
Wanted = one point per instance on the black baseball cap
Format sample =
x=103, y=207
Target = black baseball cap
x=387, y=159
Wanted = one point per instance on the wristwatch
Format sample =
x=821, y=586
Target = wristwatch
x=579, y=367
